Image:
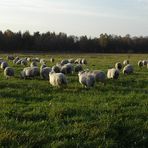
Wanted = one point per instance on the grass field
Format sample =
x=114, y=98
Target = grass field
x=34, y=114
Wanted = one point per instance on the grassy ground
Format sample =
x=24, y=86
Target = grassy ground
x=34, y=114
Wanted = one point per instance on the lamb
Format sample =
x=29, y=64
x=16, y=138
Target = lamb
x=125, y=62
x=30, y=72
x=99, y=76
x=4, y=65
x=86, y=79
x=140, y=63
x=113, y=73
x=128, y=69
x=57, y=79
x=45, y=73
x=118, y=66
x=8, y=72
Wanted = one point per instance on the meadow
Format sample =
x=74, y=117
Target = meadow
x=114, y=115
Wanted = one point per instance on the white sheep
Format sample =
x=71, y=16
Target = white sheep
x=30, y=72
x=128, y=69
x=52, y=60
x=78, y=68
x=42, y=61
x=56, y=69
x=140, y=63
x=33, y=64
x=99, y=76
x=125, y=62
x=71, y=61
x=86, y=79
x=83, y=61
x=144, y=62
x=113, y=73
x=45, y=72
x=4, y=65
x=118, y=66
x=57, y=79
x=63, y=62
x=8, y=72
x=67, y=68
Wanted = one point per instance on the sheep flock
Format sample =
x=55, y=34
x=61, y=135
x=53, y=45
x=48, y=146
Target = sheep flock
x=57, y=74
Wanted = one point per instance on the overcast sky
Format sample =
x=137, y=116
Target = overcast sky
x=76, y=17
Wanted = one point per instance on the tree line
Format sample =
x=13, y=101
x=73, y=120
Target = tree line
x=61, y=42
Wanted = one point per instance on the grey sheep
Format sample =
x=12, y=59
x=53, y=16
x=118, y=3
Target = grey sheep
x=99, y=75
x=128, y=69
x=8, y=72
x=4, y=65
x=45, y=73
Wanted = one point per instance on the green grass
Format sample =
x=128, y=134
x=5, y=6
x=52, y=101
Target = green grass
x=34, y=114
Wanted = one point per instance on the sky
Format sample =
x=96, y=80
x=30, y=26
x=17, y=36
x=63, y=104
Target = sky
x=76, y=17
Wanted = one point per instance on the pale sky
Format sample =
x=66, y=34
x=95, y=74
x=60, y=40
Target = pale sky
x=76, y=17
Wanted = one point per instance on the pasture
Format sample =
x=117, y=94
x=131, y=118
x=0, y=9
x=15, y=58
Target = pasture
x=35, y=114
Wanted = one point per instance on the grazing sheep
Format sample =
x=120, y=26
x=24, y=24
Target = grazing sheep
x=15, y=60
x=33, y=64
x=57, y=79
x=8, y=72
x=63, y=62
x=10, y=57
x=128, y=69
x=86, y=79
x=144, y=62
x=42, y=61
x=4, y=65
x=30, y=72
x=83, y=61
x=56, y=69
x=52, y=60
x=71, y=61
x=99, y=76
x=29, y=59
x=42, y=66
x=67, y=68
x=140, y=63
x=18, y=62
x=78, y=61
x=45, y=72
x=24, y=62
x=113, y=73
x=125, y=62
x=118, y=66
x=78, y=68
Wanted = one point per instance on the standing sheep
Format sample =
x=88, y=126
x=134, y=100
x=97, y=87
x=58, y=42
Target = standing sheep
x=128, y=69
x=57, y=79
x=125, y=62
x=56, y=69
x=8, y=72
x=113, y=73
x=45, y=72
x=33, y=64
x=4, y=65
x=86, y=79
x=140, y=63
x=118, y=66
x=67, y=68
x=99, y=76
x=78, y=68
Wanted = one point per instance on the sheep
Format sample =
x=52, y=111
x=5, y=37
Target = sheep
x=45, y=72
x=56, y=69
x=42, y=61
x=57, y=79
x=78, y=61
x=35, y=60
x=10, y=57
x=29, y=59
x=30, y=72
x=125, y=62
x=113, y=73
x=52, y=60
x=15, y=60
x=24, y=62
x=4, y=65
x=67, y=68
x=83, y=61
x=99, y=76
x=8, y=72
x=63, y=62
x=42, y=66
x=144, y=62
x=128, y=69
x=118, y=66
x=78, y=68
x=33, y=64
x=86, y=79
x=140, y=63
x=18, y=62
x=71, y=61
